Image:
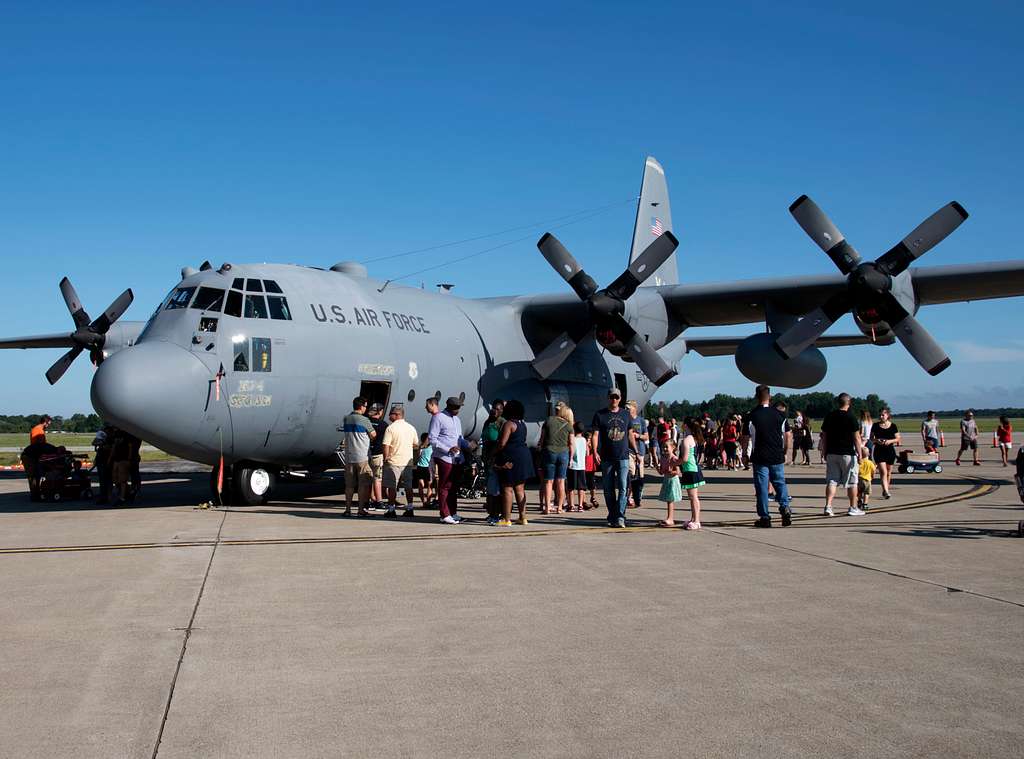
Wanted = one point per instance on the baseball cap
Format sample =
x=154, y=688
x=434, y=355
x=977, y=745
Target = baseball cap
x=453, y=402
x=615, y=391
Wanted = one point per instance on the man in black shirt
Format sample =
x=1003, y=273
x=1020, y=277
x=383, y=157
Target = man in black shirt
x=613, y=437
x=841, y=442
x=769, y=432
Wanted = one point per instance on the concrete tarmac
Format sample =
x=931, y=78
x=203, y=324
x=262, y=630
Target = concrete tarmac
x=288, y=630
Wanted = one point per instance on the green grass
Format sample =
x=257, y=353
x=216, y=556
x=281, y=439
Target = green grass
x=20, y=439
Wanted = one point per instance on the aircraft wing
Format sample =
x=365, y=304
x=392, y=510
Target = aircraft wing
x=726, y=345
x=59, y=340
x=744, y=302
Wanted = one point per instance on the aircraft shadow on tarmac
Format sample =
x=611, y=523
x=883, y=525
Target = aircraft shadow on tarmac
x=955, y=532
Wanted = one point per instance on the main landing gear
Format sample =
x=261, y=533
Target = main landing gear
x=244, y=484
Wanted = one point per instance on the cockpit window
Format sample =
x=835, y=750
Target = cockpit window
x=254, y=285
x=255, y=307
x=233, y=307
x=238, y=284
x=279, y=308
x=208, y=299
x=180, y=298
x=272, y=286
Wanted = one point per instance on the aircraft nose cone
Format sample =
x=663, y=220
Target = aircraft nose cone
x=155, y=390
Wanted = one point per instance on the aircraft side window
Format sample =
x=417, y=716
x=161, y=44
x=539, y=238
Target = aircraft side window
x=241, y=347
x=261, y=354
x=180, y=298
x=208, y=299
x=238, y=284
x=279, y=308
x=272, y=286
x=254, y=285
x=208, y=324
x=255, y=307
x=234, y=305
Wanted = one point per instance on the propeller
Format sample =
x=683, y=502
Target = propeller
x=605, y=308
x=869, y=284
x=89, y=334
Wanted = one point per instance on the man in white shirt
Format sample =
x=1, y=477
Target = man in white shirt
x=400, y=438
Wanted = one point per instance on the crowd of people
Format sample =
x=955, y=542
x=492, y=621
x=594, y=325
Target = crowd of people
x=386, y=456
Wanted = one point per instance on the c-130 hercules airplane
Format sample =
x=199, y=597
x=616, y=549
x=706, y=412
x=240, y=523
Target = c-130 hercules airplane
x=257, y=363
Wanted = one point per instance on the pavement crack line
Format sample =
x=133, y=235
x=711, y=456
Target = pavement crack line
x=857, y=565
x=187, y=635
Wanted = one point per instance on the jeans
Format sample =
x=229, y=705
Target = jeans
x=776, y=473
x=615, y=476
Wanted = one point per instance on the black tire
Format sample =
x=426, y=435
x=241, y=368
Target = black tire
x=253, y=484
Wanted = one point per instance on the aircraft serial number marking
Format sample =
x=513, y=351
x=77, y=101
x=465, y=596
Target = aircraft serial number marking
x=367, y=317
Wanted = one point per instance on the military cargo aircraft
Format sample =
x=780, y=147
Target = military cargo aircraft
x=255, y=364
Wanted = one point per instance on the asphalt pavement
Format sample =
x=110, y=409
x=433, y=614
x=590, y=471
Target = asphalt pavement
x=288, y=630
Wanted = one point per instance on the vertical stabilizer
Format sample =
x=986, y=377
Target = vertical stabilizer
x=653, y=217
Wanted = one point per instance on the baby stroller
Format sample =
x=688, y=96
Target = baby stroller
x=474, y=479
x=61, y=477
x=910, y=463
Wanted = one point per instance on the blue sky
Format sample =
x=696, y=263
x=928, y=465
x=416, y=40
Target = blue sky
x=136, y=139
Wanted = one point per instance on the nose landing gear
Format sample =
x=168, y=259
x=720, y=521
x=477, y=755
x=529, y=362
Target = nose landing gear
x=243, y=484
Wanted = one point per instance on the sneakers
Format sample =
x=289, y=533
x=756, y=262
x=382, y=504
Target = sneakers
x=828, y=512
x=621, y=523
x=787, y=517
x=762, y=522
x=448, y=520
x=691, y=525
x=503, y=523
x=492, y=521
x=457, y=518
x=391, y=514
x=855, y=512
x=408, y=513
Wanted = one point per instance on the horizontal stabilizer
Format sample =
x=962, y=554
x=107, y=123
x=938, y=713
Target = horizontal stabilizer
x=727, y=345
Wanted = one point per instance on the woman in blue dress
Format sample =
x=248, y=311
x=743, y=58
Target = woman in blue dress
x=513, y=462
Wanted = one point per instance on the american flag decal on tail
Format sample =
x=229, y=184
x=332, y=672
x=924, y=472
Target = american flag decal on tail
x=656, y=229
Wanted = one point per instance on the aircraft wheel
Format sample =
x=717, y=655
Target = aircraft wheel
x=253, y=484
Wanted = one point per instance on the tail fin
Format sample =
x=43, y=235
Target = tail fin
x=653, y=217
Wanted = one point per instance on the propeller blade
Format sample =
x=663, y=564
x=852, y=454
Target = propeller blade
x=102, y=323
x=61, y=365
x=561, y=260
x=554, y=355
x=915, y=338
x=647, y=359
x=802, y=335
x=644, y=266
x=74, y=303
x=827, y=236
x=925, y=236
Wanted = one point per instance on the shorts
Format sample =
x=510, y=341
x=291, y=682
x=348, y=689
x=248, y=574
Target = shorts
x=357, y=478
x=121, y=471
x=636, y=466
x=376, y=465
x=863, y=486
x=730, y=448
x=591, y=480
x=576, y=479
x=1005, y=445
x=398, y=476
x=423, y=473
x=554, y=465
x=966, y=444
x=841, y=469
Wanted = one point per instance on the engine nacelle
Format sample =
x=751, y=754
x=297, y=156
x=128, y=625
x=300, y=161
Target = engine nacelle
x=758, y=361
x=871, y=324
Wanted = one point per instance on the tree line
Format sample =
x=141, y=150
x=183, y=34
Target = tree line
x=73, y=423
x=814, y=405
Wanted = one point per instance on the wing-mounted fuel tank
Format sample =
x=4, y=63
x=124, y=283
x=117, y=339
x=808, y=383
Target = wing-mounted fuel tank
x=759, y=362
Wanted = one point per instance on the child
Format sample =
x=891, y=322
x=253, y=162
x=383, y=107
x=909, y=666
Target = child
x=691, y=478
x=577, y=479
x=590, y=472
x=670, y=489
x=865, y=473
x=423, y=479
